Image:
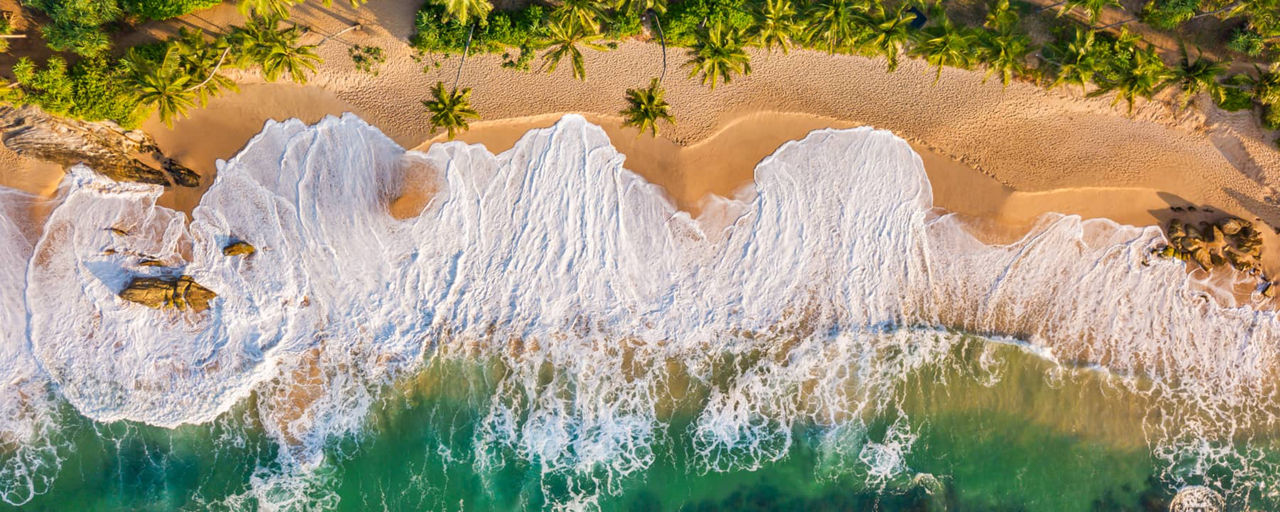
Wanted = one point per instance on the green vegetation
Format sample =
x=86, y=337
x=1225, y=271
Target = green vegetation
x=646, y=107
x=1100, y=60
x=170, y=77
x=450, y=110
x=368, y=59
x=718, y=55
x=565, y=34
x=78, y=25
x=91, y=89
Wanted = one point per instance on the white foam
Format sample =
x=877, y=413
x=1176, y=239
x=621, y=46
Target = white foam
x=28, y=419
x=812, y=283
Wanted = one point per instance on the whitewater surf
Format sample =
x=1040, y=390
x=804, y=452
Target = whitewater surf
x=582, y=330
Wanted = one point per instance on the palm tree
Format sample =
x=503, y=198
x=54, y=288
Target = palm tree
x=647, y=107
x=1143, y=75
x=945, y=44
x=203, y=59
x=836, y=25
x=1000, y=16
x=564, y=38
x=162, y=85
x=267, y=8
x=891, y=32
x=1092, y=8
x=1196, y=76
x=718, y=55
x=276, y=51
x=641, y=6
x=585, y=13
x=284, y=54
x=1005, y=52
x=1076, y=61
x=450, y=110
x=464, y=11
x=775, y=24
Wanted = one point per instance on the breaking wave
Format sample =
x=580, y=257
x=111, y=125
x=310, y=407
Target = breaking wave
x=804, y=301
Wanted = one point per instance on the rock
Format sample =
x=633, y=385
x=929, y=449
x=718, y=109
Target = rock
x=181, y=293
x=238, y=249
x=1233, y=225
x=1270, y=290
x=103, y=146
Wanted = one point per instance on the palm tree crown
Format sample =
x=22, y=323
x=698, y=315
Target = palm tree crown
x=718, y=55
x=267, y=8
x=1193, y=77
x=945, y=44
x=836, y=25
x=775, y=23
x=465, y=10
x=277, y=51
x=891, y=32
x=450, y=110
x=1005, y=52
x=1143, y=75
x=1076, y=61
x=563, y=38
x=163, y=85
x=646, y=107
x=1092, y=8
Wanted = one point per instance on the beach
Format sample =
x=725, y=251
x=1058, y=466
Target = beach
x=1002, y=156
x=972, y=319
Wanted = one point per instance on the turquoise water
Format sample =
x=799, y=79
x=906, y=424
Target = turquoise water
x=994, y=429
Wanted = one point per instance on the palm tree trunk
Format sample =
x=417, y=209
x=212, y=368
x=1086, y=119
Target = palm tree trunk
x=213, y=73
x=1050, y=6
x=662, y=39
x=465, y=49
x=1225, y=8
x=338, y=33
x=1118, y=23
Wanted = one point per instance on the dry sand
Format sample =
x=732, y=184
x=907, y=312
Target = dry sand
x=1001, y=156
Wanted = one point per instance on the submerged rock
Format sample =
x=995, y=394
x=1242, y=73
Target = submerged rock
x=238, y=249
x=103, y=146
x=180, y=293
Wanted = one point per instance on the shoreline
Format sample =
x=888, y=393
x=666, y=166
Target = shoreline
x=998, y=156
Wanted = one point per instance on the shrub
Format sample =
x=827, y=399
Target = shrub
x=1271, y=117
x=1236, y=95
x=1168, y=14
x=439, y=33
x=684, y=19
x=622, y=25
x=1247, y=42
x=165, y=9
x=92, y=89
x=367, y=58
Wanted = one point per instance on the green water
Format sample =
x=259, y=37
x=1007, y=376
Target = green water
x=1033, y=439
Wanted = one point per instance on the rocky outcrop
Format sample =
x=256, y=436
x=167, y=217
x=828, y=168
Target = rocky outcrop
x=238, y=249
x=1231, y=241
x=105, y=147
x=182, y=293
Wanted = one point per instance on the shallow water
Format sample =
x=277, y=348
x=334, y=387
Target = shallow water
x=968, y=437
x=551, y=333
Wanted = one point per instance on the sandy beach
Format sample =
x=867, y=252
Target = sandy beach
x=1000, y=156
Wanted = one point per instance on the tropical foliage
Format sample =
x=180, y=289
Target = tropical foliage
x=775, y=24
x=718, y=55
x=646, y=107
x=450, y=110
x=78, y=26
x=564, y=37
x=946, y=44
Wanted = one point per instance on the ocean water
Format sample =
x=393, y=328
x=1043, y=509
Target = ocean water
x=550, y=333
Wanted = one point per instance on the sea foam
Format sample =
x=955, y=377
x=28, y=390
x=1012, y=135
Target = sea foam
x=826, y=282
